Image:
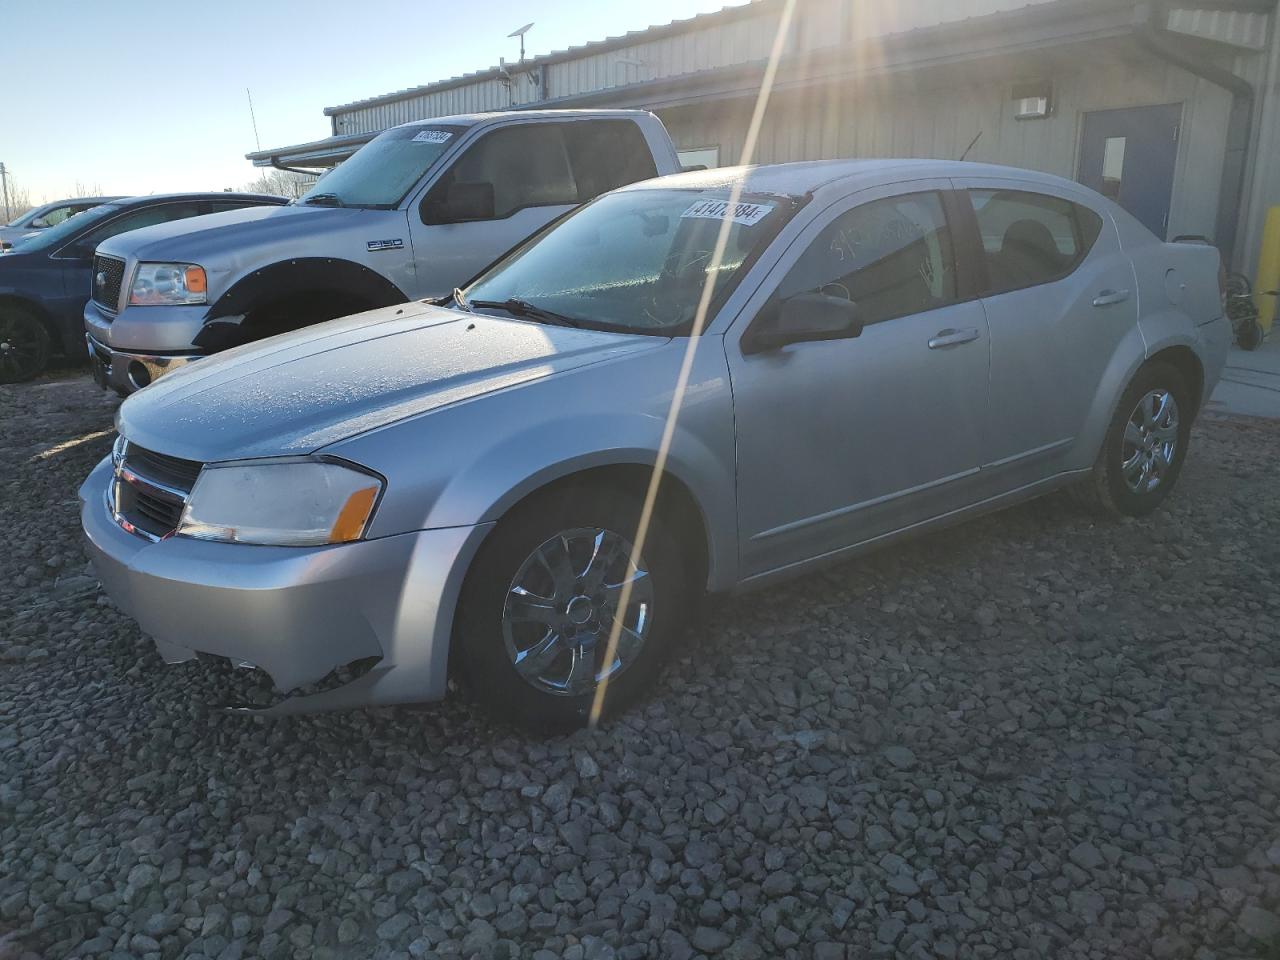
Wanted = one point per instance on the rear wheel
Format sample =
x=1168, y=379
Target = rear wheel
x=24, y=345
x=544, y=595
x=1145, y=445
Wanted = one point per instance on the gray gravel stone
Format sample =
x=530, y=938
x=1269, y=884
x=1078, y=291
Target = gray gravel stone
x=1041, y=734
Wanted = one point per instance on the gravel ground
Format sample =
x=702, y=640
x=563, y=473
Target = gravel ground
x=1036, y=735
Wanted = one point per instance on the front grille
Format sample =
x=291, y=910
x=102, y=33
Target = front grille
x=150, y=489
x=108, y=275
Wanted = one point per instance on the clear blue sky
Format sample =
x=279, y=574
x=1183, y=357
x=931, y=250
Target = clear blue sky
x=142, y=96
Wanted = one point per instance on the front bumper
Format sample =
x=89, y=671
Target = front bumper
x=297, y=613
x=140, y=344
x=126, y=372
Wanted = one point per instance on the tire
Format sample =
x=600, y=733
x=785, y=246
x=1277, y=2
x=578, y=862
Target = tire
x=24, y=345
x=495, y=626
x=1249, y=335
x=1140, y=489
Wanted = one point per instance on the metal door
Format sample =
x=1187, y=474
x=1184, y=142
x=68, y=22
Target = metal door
x=1129, y=155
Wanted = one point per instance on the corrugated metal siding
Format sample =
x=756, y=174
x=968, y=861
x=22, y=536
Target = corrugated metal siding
x=882, y=120
x=819, y=24
x=1239, y=27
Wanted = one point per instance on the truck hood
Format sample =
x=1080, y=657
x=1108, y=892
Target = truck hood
x=215, y=235
x=301, y=391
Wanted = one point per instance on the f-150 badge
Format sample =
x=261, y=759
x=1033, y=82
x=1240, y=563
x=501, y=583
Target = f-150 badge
x=396, y=244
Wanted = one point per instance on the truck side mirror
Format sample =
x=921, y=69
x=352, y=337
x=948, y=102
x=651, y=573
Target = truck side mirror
x=469, y=201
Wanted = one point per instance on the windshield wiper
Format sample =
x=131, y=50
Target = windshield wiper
x=460, y=300
x=527, y=311
x=325, y=200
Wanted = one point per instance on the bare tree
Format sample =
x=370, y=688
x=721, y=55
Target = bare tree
x=282, y=183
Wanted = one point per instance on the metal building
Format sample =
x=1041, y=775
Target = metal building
x=1172, y=106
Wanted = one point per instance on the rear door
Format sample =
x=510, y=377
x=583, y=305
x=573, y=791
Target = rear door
x=1060, y=299
x=537, y=171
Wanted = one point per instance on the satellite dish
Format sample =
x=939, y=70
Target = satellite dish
x=520, y=33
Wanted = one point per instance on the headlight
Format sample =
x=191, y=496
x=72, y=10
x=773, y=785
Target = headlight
x=287, y=504
x=167, y=283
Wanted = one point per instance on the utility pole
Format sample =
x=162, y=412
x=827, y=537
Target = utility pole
x=4, y=182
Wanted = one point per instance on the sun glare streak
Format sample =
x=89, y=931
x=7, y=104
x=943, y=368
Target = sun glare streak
x=686, y=365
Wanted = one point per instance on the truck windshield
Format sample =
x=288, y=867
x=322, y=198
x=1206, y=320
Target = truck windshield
x=386, y=168
x=66, y=230
x=634, y=261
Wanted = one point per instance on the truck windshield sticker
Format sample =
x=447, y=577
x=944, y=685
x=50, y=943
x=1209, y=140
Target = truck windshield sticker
x=747, y=214
x=432, y=136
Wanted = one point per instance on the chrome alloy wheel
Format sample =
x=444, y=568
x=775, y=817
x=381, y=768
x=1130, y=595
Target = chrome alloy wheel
x=1150, y=441
x=563, y=602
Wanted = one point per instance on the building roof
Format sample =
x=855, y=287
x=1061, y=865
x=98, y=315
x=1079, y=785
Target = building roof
x=728, y=14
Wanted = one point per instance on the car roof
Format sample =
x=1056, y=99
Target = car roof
x=63, y=203
x=808, y=176
x=143, y=201
x=471, y=119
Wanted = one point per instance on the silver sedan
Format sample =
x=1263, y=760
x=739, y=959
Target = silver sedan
x=366, y=508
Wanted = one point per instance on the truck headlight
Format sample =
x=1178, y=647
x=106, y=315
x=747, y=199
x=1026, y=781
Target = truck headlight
x=287, y=504
x=168, y=284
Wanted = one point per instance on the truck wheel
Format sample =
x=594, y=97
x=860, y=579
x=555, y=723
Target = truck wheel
x=24, y=345
x=541, y=598
x=1145, y=445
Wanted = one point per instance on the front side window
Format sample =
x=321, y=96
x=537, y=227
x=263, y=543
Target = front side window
x=1030, y=238
x=891, y=257
x=523, y=165
x=380, y=173
x=53, y=217
x=636, y=261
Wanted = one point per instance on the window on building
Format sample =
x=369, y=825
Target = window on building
x=697, y=158
x=892, y=257
x=1030, y=238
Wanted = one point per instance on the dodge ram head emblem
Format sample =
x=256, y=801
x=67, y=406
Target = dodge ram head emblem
x=101, y=279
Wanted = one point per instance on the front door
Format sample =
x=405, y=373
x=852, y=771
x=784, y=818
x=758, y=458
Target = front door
x=841, y=441
x=1129, y=155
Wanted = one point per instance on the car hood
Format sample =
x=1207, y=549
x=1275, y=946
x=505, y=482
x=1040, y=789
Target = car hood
x=221, y=234
x=301, y=391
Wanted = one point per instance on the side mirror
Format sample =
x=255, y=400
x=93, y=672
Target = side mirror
x=469, y=201
x=804, y=318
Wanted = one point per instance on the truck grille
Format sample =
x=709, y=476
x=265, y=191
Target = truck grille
x=149, y=489
x=108, y=275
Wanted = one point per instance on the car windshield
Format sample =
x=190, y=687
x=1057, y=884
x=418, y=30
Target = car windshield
x=634, y=261
x=381, y=172
x=68, y=228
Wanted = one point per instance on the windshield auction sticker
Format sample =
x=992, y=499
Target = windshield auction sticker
x=432, y=136
x=747, y=214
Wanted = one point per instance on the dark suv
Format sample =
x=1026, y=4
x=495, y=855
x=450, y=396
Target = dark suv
x=45, y=280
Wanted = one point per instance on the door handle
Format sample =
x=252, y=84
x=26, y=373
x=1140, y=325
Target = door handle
x=1108, y=297
x=951, y=338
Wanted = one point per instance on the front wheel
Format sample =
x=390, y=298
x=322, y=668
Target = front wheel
x=24, y=345
x=1146, y=443
x=555, y=582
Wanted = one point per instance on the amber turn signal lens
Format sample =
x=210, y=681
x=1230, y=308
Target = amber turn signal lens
x=353, y=516
x=196, y=280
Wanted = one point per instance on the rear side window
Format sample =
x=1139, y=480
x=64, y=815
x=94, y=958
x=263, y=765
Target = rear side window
x=891, y=257
x=137, y=219
x=1030, y=238
x=607, y=154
